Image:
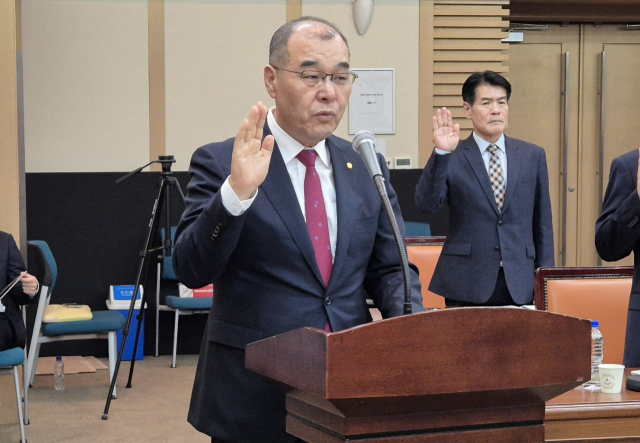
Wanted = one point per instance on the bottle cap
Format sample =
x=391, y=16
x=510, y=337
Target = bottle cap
x=58, y=358
x=595, y=324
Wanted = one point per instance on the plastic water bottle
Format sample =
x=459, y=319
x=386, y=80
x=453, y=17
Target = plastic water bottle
x=58, y=372
x=597, y=355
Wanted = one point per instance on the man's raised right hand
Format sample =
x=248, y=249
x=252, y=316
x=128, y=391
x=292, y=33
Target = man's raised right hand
x=445, y=134
x=251, y=155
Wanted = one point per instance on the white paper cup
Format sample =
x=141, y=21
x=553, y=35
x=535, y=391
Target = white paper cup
x=611, y=377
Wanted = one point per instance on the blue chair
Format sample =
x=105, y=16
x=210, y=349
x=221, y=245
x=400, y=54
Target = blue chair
x=180, y=305
x=104, y=324
x=417, y=229
x=9, y=362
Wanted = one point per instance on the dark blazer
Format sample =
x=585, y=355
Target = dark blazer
x=480, y=236
x=11, y=265
x=618, y=234
x=267, y=281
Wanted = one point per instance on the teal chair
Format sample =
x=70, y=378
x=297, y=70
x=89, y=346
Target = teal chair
x=9, y=362
x=179, y=305
x=103, y=325
x=417, y=229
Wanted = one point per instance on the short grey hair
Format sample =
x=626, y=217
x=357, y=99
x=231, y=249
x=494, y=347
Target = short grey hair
x=278, y=48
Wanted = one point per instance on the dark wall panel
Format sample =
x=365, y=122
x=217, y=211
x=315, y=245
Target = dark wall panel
x=96, y=230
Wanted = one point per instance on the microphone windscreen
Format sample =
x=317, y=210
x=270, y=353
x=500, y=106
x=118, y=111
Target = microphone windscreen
x=362, y=136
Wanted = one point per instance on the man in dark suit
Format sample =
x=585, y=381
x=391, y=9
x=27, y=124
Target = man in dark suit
x=618, y=234
x=497, y=189
x=12, y=331
x=288, y=225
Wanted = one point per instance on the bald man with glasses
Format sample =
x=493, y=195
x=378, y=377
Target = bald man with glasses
x=287, y=224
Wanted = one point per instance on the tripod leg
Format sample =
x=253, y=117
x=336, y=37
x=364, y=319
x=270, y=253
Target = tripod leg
x=135, y=343
x=158, y=306
x=153, y=226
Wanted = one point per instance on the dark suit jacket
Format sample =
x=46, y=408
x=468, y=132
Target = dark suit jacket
x=11, y=265
x=267, y=281
x=480, y=236
x=618, y=234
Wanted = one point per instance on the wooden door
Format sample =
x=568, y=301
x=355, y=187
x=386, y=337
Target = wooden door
x=610, y=124
x=544, y=110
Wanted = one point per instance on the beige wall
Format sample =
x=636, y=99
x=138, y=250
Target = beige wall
x=390, y=42
x=87, y=82
x=215, y=55
x=86, y=85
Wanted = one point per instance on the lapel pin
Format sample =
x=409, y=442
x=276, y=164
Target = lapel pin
x=349, y=165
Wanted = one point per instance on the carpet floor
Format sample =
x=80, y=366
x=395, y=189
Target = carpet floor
x=153, y=410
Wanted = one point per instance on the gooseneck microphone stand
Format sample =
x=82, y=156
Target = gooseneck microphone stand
x=364, y=144
x=167, y=181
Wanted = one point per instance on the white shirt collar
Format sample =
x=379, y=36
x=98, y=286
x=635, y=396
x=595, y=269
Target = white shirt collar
x=289, y=147
x=483, y=144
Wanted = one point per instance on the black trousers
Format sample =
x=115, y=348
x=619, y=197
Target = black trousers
x=632, y=340
x=500, y=296
x=7, y=334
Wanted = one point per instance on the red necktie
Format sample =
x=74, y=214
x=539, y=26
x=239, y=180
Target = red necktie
x=316, y=214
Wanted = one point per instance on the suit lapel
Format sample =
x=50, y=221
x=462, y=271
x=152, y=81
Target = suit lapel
x=279, y=190
x=474, y=157
x=346, y=184
x=513, y=169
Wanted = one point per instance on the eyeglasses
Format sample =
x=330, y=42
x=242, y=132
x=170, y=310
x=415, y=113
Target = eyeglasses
x=314, y=78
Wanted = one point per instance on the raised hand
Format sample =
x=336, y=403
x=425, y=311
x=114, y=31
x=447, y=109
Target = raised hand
x=445, y=134
x=251, y=155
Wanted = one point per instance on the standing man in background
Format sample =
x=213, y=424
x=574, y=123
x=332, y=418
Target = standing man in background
x=618, y=235
x=12, y=330
x=287, y=224
x=497, y=188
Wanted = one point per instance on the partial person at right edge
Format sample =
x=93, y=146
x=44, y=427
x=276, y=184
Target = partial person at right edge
x=618, y=234
x=497, y=189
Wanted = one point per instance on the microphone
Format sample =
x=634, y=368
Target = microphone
x=364, y=143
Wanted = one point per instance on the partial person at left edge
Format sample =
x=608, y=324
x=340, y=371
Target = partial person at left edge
x=12, y=329
x=281, y=259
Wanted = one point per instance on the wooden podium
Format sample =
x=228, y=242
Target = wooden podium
x=448, y=376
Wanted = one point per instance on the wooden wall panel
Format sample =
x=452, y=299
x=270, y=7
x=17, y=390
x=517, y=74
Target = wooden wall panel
x=294, y=9
x=9, y=155
x=467, y=37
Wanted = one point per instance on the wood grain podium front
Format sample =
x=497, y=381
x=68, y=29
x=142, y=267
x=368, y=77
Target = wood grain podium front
x=447, y=376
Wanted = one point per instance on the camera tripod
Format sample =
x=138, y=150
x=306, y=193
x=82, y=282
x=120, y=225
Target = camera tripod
x=167, y=181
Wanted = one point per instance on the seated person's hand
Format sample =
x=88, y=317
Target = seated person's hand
x=29, y=284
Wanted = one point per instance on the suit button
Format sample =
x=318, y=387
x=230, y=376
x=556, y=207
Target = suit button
x=496, y=248
x=327, y=301
x=500, y=222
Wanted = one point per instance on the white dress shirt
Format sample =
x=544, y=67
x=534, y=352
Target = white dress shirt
x=486, y=155
x=289, y=149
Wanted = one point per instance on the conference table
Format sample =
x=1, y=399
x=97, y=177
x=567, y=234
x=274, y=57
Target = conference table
x=582, y=416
